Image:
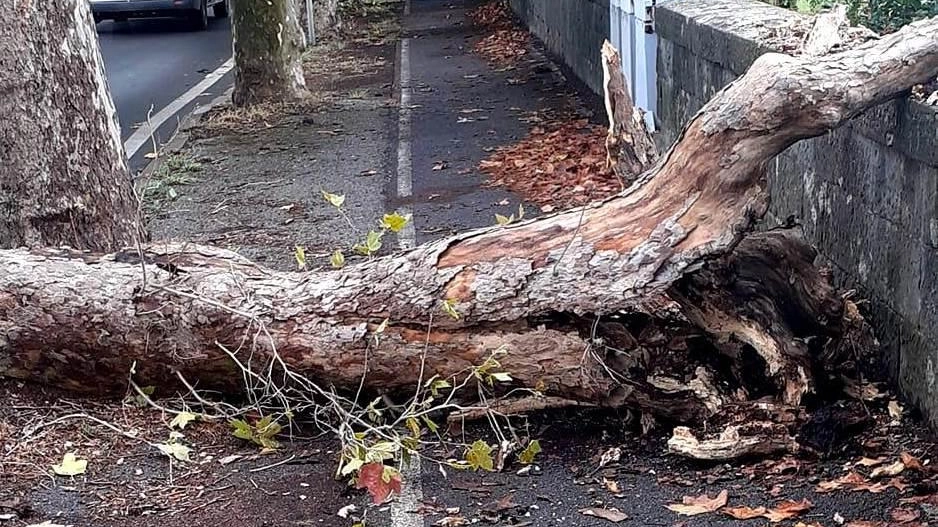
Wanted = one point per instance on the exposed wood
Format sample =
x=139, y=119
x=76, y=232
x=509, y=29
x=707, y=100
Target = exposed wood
x=63, y=176
x=736, y=441
x=630, y=148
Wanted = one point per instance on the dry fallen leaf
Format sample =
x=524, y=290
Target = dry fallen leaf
x=694, y=505
x=745, y=513
x=870, y=462
x=856, y=482
x=895, y=410
x=783, y=511
x=888, y=471
x=787, y=509
x=911, y=462
x=613, y=515
x=612, y=486
x=905, y=515
x=451, y=521
x=440, y=165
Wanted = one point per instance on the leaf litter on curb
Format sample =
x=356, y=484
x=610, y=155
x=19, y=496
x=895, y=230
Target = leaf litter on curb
x=506, y=43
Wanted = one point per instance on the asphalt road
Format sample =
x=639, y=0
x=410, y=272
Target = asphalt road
x=152, y=62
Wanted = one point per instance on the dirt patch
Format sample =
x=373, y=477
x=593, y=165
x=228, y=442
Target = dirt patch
x=128, y=481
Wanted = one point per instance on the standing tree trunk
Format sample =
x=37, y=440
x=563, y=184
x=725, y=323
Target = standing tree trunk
x=63, y=176
x=268, y=46
x=326, y=15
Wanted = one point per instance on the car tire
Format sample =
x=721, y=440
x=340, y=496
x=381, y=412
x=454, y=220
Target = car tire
x=221, y=9
x=199, y=19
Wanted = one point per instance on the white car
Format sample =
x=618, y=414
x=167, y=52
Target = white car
x=195, y=11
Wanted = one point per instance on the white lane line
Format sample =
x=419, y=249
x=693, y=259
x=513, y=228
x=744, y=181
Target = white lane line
x=407, y=238
x=404, y=509
x=141, y=136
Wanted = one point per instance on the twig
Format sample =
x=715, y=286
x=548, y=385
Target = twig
x=572, y=239
x=272, y=465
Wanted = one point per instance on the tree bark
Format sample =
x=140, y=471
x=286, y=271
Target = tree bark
x=268, y=45
x=63, y=176
x=654, y=299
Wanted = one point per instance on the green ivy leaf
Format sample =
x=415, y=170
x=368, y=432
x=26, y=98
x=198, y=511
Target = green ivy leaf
x=430, y=424
x=242, y=430
x=526, y=457
x=337, y=259
x=394, y=222
x=479, y=456
x=336, y=200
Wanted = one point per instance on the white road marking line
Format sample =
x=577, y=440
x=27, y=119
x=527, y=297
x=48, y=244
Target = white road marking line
x=403, y=510
x=141, y=136
x=407, y=238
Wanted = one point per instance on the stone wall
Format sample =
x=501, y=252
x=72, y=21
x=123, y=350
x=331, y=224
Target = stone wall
x=866, y=194
x=572, y=30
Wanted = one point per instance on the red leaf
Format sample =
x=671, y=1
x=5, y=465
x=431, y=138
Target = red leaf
x=372, y=478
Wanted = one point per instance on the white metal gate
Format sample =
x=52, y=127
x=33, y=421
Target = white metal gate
x=632, y=32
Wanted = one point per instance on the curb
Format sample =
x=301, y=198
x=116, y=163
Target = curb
x=181, y=135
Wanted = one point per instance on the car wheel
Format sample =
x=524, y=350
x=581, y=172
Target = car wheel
x=199, y=19
x=221, y=9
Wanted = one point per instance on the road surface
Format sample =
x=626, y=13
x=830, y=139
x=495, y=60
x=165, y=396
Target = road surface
x=151, y=64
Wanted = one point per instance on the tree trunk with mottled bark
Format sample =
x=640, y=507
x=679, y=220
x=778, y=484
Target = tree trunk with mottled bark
x=657, y=298
x=268, y=47
x=63, y=176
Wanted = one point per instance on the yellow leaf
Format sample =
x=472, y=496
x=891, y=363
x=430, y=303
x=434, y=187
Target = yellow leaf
x=504, y=220
x=449, y=306
x=337, y=259
x=337, y=200
x=300, y=255
x=182, y=419
x=526, y=457
x=70, y=465
x=394, y=222
x=479, y=456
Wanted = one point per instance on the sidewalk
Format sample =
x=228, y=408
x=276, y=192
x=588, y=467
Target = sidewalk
x=402, y=119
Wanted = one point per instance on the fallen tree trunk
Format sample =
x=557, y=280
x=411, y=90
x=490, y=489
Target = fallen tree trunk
x=640, y=300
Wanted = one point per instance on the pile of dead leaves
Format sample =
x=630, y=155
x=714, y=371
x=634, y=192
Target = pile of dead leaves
x=504, y=46
x=557, y=166
x=494, y=15
x=506, y=43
